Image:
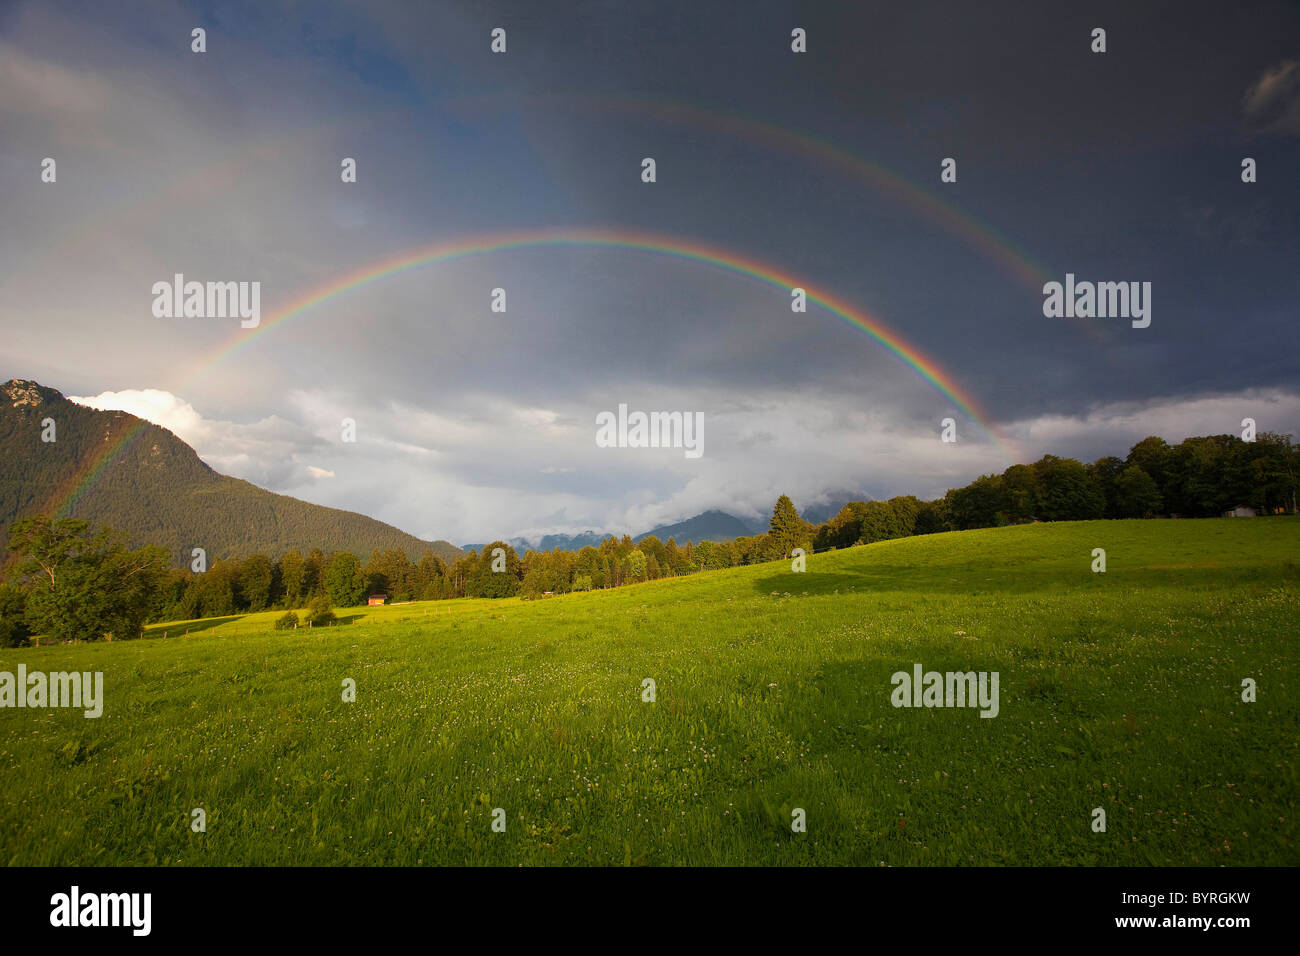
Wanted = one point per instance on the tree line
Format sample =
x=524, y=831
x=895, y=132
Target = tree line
x=1200, y=477
x=73, y=583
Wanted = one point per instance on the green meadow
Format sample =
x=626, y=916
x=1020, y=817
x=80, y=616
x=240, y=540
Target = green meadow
x=1119, y=690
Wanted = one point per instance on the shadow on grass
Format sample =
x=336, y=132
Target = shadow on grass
x=190, y=627
x=206, y=624
x=339, y=621
x=1025, y=580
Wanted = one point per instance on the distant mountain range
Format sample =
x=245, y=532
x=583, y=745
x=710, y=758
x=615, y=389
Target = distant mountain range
x=710, y=526
x=549, y=542
x=112, y=468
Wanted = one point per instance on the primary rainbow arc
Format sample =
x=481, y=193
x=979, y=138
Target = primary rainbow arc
x=924, y=366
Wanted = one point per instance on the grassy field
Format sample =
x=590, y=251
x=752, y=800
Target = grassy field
x=1119, y=690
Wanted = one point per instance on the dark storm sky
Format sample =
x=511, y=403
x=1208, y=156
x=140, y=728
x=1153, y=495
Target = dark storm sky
x=224, y=165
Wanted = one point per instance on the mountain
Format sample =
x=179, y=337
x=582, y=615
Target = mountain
x=709, y=526
x=549, y=542
x=519, y=544
x=571, y=542
x=122, y=471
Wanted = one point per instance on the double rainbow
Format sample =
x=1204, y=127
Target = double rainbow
x=669, y=247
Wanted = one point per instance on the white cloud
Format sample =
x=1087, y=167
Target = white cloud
x=496, y=474
x=266, y=452
x=153, y=405
x=1113, y=428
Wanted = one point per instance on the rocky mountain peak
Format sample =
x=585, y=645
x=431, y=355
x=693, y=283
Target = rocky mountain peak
x=19, y=392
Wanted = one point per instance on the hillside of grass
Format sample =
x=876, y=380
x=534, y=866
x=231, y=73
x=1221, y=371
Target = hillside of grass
x=1119, y=690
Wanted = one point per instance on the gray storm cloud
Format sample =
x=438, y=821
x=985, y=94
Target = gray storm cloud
x=473, y=424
